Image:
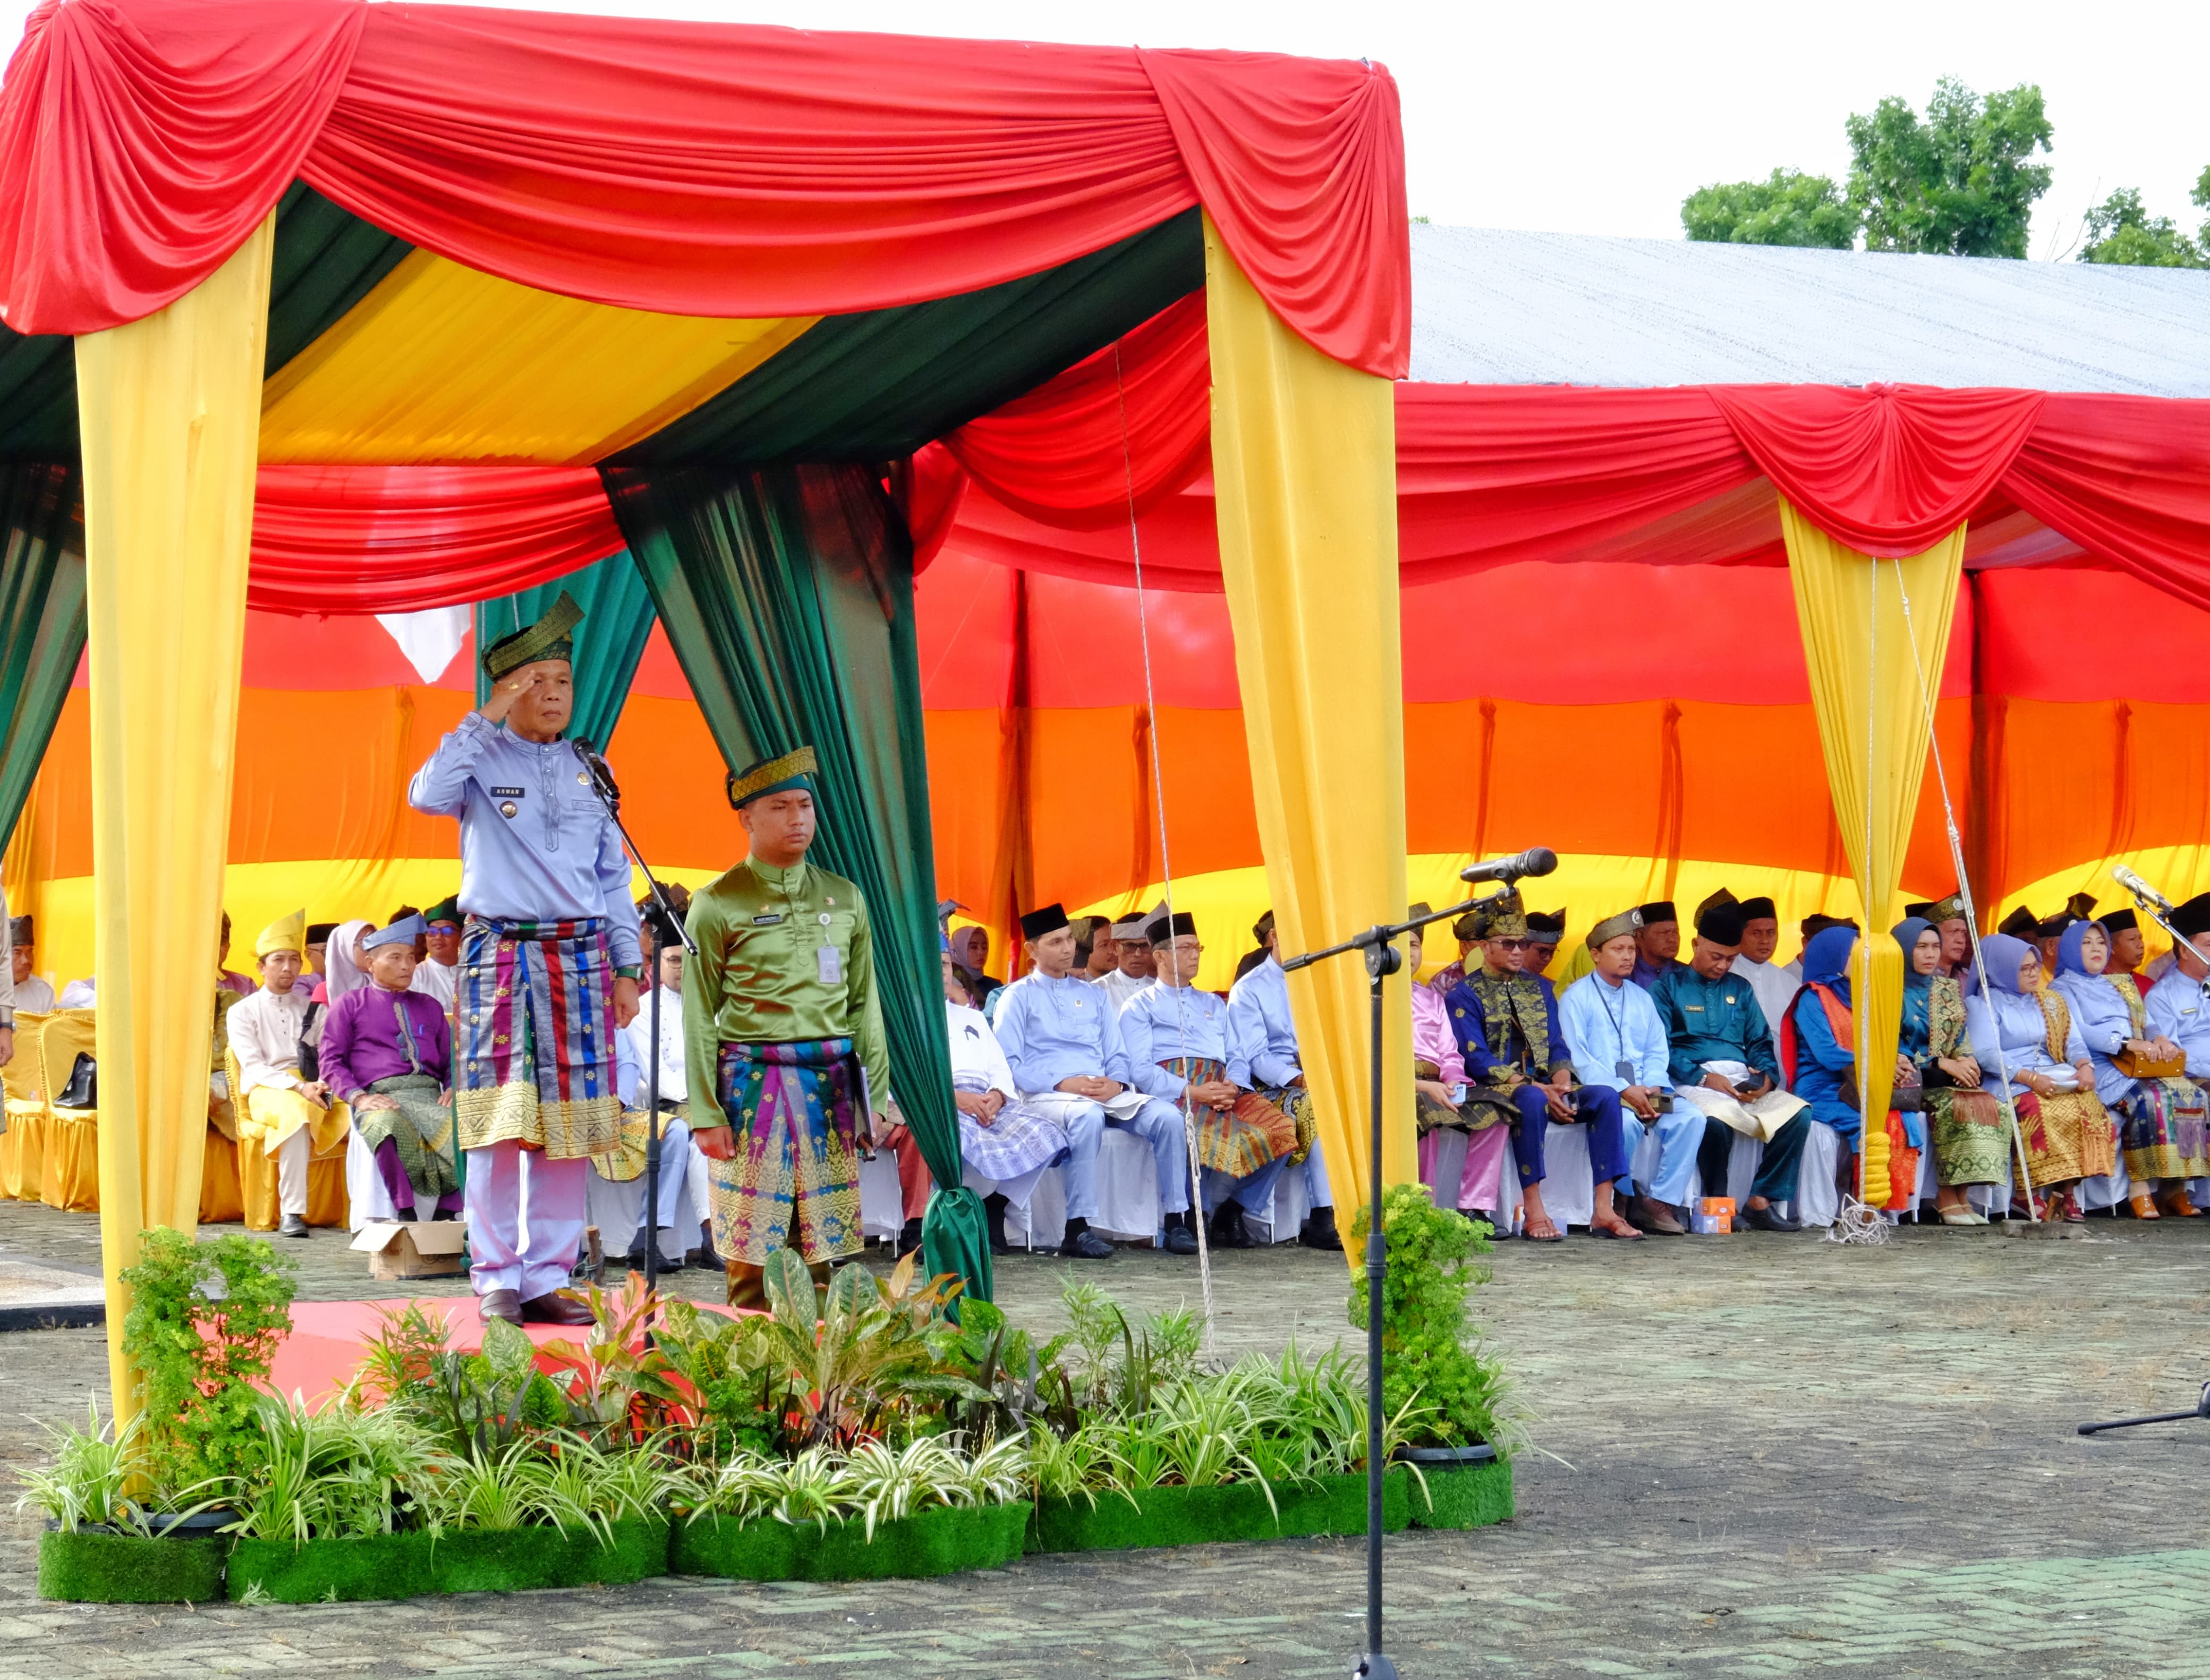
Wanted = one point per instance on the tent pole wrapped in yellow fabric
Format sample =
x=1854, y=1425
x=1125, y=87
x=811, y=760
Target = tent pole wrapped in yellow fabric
x=1872, y=667
x=170, y=407
x=1304, y=459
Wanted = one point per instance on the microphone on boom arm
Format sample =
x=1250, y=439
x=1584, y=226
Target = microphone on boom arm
x=2139, y=888
x=1535, y=860
x=602, y=778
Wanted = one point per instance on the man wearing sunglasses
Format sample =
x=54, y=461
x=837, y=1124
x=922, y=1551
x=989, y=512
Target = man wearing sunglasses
x=1506, y=1021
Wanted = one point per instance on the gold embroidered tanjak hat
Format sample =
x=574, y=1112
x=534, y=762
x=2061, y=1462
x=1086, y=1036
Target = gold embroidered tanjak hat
x=550, y=637
x=794, y=769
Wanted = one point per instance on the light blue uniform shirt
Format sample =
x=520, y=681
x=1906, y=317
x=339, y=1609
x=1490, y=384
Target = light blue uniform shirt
x=1606, y=1024
x=2017, y=1024
x=2177, y=1012
x=1262, y=1035
x=2103, y=1023
x=1164, y=1022
x=536, y=843
x=1053, y=1030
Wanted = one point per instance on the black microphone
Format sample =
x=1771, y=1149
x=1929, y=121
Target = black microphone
x=601, y=778
x=1535, y=860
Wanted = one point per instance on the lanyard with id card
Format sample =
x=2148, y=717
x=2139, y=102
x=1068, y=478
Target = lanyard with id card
x=828, y=959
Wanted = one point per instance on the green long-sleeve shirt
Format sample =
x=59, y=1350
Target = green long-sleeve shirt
x=763, y=973
x=1712, y=1020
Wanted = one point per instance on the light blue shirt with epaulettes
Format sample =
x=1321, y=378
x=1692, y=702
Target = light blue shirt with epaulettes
x=1052, y=1029
x=2177, y=1012
x=1164, y=1022
x=1262, y=1034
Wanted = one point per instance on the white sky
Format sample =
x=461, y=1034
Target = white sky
x=1598, y=117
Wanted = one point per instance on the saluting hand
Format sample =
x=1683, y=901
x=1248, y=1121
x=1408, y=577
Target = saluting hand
x=505, y=694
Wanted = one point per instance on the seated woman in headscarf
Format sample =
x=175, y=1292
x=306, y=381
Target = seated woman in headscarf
x=970, y=951
x=1818, y=1053
x=1443, y=1099
x=2161, y=1120
x=1970, y=1132
x=2029, y=1032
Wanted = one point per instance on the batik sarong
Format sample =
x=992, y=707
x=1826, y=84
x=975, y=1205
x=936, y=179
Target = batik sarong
x=1021, y=1139
x=420, y=1128
x=2164, y=1132
x=794, y=1180
x=624, y=1161
x=1295, y=1101
x=1245, y=1139
x=1971, y=1136
x=1430, y=1113
x=2069, y=1135
x=533, y=1056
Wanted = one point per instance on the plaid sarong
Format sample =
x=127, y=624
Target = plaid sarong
x=794, y=1180
x=1246, y=1138
x=1022, y=1138
x=534, y=1059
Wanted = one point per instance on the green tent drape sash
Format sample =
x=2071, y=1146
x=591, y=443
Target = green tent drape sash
x=787, y=596
x=42, y=617
x=609, y=643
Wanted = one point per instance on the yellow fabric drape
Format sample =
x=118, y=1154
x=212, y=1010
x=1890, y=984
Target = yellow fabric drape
x=1874, y=731
x=1304, y=465
x=170, y=409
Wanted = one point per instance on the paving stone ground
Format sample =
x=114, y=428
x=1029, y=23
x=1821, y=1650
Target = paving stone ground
x=1759, y=1456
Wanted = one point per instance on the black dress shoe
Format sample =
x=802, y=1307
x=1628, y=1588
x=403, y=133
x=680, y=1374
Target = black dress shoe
x=293, y=1225
x=1765, y=1219
x=1180, y=1238
x=406, y=1215
x=993, y=1209
x=444, y=1213
x=909, y=1238
x=503, y=1303
x=1081, y=1242
x=1227, y=1229
x=1318, y=1231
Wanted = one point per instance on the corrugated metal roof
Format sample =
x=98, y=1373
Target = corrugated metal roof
x=1494, y=307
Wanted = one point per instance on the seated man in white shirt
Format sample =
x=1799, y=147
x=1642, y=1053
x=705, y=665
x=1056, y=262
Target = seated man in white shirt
x=438, y=974
x=1133, y=953
x=34, y=996
x=280, y=1112
x=681, y=1167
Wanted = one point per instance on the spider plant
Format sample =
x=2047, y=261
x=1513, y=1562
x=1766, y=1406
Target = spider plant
x=85, y=1485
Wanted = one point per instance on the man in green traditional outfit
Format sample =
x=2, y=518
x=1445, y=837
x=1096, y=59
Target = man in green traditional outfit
x=783, y=1033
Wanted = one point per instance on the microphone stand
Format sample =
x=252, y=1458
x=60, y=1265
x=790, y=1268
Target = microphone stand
x=663, y=917
x=1382, y=959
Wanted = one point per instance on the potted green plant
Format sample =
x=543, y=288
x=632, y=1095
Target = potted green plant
x=104, y=1544
x=1431, y=1357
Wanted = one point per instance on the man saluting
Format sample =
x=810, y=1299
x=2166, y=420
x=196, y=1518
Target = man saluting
x=784, y=1035
x=549, y=964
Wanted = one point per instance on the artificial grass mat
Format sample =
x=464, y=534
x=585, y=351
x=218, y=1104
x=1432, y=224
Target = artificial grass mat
x=942, y=1541
x=1239, y=1511
x=475, y=1560
x=1472, y=1497
x=94, y=1566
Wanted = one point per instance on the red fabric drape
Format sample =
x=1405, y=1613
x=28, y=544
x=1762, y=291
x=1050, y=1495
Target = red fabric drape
x=697, y=169
x=398, y=539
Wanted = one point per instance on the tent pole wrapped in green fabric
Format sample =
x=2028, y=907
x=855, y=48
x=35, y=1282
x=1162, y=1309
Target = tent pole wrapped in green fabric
x=609, y=643
x=42, y=619
x=788, y=594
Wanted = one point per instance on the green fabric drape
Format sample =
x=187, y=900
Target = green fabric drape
x=788, y=594
x=609, y=643
x=42, y=621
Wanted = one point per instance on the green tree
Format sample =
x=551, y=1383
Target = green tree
x=2120, y=230
x=1789, y=208
x=1961, y=183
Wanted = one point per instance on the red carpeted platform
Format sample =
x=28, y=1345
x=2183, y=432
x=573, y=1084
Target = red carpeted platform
x=329, y=1338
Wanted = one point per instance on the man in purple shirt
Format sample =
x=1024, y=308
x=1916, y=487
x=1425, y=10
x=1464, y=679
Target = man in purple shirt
x=387, y=1052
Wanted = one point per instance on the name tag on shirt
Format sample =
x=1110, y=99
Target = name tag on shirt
x=1692, y=1008
x=831, y=962
x=773, y=919
x=506, y=793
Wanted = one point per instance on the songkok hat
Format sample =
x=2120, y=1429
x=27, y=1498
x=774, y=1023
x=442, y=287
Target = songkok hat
x=1627, y=921
x=1921, y=911
x=2122, y=921
x=1181, y=925
x=2054, y=927
x=19, y=931
x=549, y=638
x=2021, y=923
x=405, y=931
x=1659, y=910
x=1817, y=923
x=1048, y=919
x=1136, y=927
x=318, y=933
x=1467, y=927
x=1502, y=917
x=286, y=933
x=794, y=769
x=2193, y=917
x=447, y=909
x=1721, y=924
x=1546, y=926
x=1757, y=909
